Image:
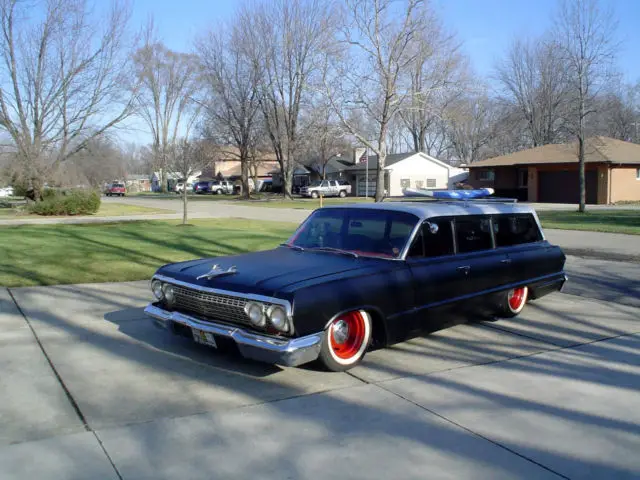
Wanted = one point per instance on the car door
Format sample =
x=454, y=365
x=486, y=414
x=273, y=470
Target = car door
x=436, y=278
x=482, y=267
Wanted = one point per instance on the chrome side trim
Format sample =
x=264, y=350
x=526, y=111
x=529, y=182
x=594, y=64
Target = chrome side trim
x=282, y=351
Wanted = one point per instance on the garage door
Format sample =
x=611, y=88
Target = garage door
x=563, y=187
x=363, y=188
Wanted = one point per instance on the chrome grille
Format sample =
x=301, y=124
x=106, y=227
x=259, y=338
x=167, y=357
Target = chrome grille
x=211, y=305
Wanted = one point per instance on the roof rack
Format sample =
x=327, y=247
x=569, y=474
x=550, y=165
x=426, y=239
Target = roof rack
x=451, y=196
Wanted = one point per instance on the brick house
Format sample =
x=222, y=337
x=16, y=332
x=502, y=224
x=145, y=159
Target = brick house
x=550, y=173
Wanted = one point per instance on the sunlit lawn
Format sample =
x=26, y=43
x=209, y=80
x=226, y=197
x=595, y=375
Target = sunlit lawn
x=612, y=221
x=85, y=253
x=106, y=210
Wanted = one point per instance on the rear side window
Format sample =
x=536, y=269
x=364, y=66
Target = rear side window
x=433, y=242
x=515, y=230
x=473, y=234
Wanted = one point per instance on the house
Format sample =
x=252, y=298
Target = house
x=138, y=183
x=302, y=176
x=550, y=173
x=402, y=170
x=170, y=177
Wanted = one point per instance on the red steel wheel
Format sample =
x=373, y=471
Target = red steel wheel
x=346, y=340
x=516, y=300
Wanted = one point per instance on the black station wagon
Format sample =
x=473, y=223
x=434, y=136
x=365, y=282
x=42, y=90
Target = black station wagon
x=355, y=277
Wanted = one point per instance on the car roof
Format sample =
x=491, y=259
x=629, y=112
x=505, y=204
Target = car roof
x=428, y=209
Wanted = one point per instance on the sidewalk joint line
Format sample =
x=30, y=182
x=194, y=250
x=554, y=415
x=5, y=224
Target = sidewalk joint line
x=95, y=434
x=72, y=400
x=468, y=430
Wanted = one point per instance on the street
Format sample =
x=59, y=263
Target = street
x=549, y=394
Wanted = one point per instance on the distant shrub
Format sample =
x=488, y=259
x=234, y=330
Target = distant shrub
x=70, y=202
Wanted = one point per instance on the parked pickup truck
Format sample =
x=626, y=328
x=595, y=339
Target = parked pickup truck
x=326, y=188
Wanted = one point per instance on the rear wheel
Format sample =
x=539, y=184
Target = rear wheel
x=346, y=340
x=219, y=192
x=342, y=194
x=514, y=301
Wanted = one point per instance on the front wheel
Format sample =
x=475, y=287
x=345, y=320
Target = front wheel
x=514, y=301
x=345, y=341
x=314, y=194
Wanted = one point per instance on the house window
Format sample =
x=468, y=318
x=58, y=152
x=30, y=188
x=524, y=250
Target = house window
x=523, y=178
x=486, y=175
x=405, y=183
x=419, y=183
x=431, y=183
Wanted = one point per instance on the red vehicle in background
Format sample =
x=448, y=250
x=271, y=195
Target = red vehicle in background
x=116, y=189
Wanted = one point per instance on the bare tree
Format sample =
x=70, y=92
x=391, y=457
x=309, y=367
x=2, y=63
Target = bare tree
x=288, y=39
x=63, y=78
x=470, y=127
x=232, y=104
x=585, y=35
x=186, y=158
x=382, y=38
x=534, y=82
x=437, y=76
x=169, y=81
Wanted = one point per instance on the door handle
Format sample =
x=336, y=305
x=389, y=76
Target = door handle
x=505, y=260
x=465, y=269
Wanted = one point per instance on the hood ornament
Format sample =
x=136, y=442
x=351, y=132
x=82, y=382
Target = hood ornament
x=216, y=271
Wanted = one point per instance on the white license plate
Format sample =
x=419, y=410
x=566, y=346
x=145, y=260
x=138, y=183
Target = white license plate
x=204, y=338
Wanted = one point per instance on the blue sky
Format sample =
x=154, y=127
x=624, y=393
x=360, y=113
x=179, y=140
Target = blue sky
x=486, y=27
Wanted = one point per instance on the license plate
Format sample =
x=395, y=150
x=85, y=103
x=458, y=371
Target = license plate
x=204, y=338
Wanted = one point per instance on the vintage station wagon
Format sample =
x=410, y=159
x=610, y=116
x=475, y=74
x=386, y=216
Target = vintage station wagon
x=361, y=276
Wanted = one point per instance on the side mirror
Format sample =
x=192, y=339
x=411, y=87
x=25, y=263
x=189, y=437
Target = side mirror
x=433, y=228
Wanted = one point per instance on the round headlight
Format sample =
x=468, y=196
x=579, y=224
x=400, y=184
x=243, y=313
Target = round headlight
x=156, y=288
x=169, y=293
x=278, y=318
x=255, y=312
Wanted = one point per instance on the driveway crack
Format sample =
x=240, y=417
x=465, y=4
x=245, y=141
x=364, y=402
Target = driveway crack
x=468, y=430
x=67, y=392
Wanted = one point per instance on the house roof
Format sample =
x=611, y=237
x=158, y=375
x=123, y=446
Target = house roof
x=597, y=150
x=391, y=159
x=230, y=168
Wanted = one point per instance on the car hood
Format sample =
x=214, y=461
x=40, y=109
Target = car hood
x=266, y=272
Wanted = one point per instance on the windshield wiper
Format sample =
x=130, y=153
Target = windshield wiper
x=335, y=250
x=295, y=247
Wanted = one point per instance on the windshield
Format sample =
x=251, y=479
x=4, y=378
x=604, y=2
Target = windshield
x=379, y=233
x=315, y=183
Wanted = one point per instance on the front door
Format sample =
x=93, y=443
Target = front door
x=434, y=271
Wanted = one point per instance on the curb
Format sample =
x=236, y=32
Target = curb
x=600, y=255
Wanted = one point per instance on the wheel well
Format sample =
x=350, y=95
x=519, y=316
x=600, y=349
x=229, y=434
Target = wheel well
x=379, y=334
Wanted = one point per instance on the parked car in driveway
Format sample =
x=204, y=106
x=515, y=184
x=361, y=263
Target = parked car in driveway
x=117, y=189
x=361, y=276
x=6, y=192
x=202, y=187
x=222, y=186
x=180, y=186
x=326, y=188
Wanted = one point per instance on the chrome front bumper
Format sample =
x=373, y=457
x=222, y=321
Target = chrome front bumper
x=289, y=352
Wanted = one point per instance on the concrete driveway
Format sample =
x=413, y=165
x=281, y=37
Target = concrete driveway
x=90, y=389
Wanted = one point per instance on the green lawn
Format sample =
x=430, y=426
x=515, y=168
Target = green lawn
x=611, y=221
x=85, y=253
x=106, y=210
x=261, y=200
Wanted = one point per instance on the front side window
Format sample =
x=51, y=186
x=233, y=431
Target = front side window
x=473, y=234
x=379, y=233
x=515, y=230
x=435, y=239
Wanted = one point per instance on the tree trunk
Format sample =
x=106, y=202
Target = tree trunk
x=184, y=203
x=382, y=158
x=287, y=182
x=244, y=176
x=581, y=173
